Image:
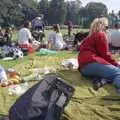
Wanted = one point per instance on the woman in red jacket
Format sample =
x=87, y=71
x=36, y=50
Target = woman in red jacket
x=94, y=58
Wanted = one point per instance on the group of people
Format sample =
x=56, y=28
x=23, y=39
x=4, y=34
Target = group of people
x=55, y=38
x=95, y=59
x=27, y=42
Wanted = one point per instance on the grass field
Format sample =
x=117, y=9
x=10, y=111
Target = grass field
x=15, y=38
x=86, y=104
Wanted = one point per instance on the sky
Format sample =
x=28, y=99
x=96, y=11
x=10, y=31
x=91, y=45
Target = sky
x=111, y=4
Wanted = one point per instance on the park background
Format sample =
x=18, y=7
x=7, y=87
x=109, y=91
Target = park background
x=86, y=103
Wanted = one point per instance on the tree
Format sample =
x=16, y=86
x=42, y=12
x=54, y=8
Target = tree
x=29, y=8
x=16, y=11
x=57, y=12
x=43, y=7
x=83, y=16
x=96, y=10
x=73, y=8
x=93, y=10
x=4, y=9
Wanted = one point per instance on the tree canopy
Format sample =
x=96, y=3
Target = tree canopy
x=54, y=11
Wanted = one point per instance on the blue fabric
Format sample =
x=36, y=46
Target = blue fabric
x=109, y=72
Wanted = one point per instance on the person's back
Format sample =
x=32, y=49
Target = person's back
x=51, y=39
x=59, y=41
x=8, y=36
x=24, y=36
x=115, y=36
x=37, y=23
x=55, y=38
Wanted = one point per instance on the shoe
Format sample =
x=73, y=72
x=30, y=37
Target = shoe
x=99, y=83
x=96, y=85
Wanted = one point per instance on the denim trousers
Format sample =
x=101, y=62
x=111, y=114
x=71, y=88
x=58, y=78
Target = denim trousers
x=109, y=72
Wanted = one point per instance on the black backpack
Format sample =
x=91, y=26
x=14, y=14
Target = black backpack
x=44, y=101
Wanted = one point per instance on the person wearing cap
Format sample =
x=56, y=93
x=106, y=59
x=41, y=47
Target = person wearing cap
x=55, y=39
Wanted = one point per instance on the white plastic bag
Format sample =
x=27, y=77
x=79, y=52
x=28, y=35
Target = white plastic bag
x=70, y=63
x=3, y=76
x=18, y=89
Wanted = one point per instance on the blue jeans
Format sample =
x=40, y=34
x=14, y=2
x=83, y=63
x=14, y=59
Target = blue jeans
x=109, y=72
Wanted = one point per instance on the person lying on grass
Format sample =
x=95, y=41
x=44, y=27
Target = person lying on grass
x=94, y=57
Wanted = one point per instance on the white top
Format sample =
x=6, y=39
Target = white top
x=56, y=40
x=115, y=37
x=109, y=35
x=24, y=36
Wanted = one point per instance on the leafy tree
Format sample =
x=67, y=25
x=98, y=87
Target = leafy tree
x=16, y=11
x=4, y=8
x=57, y=12
x=73, y=8
x=43, y=7
x=82, y=16
x=29, y=8
x=93, y=10
x=96, y=10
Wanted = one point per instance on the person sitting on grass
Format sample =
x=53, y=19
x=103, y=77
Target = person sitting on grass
x=94, y=58
x=78, y=39
x=1, y=37
x=70, y=28
x=55, y=39
x=26, y=39
x=115, y=37
x=8, y=36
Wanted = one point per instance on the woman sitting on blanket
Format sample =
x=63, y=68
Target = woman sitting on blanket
x=94, y=58
x=55, y=39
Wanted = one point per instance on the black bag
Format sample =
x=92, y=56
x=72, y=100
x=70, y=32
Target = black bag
x=44, y=101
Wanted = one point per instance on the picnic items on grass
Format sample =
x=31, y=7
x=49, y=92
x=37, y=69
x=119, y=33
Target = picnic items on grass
x=44, y=51
x=3, y=76
x=13, y=77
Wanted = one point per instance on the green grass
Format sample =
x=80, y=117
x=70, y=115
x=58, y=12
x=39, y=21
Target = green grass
x=10, y=64
x=86, y=104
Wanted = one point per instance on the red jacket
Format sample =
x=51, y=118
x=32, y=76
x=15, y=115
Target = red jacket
x=95, y=49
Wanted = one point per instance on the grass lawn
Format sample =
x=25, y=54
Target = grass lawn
x=86, y=104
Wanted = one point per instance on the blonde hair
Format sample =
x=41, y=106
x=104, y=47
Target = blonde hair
x=98, y=24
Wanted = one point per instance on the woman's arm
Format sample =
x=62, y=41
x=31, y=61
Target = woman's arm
x=49, y=46
x=103, y=48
